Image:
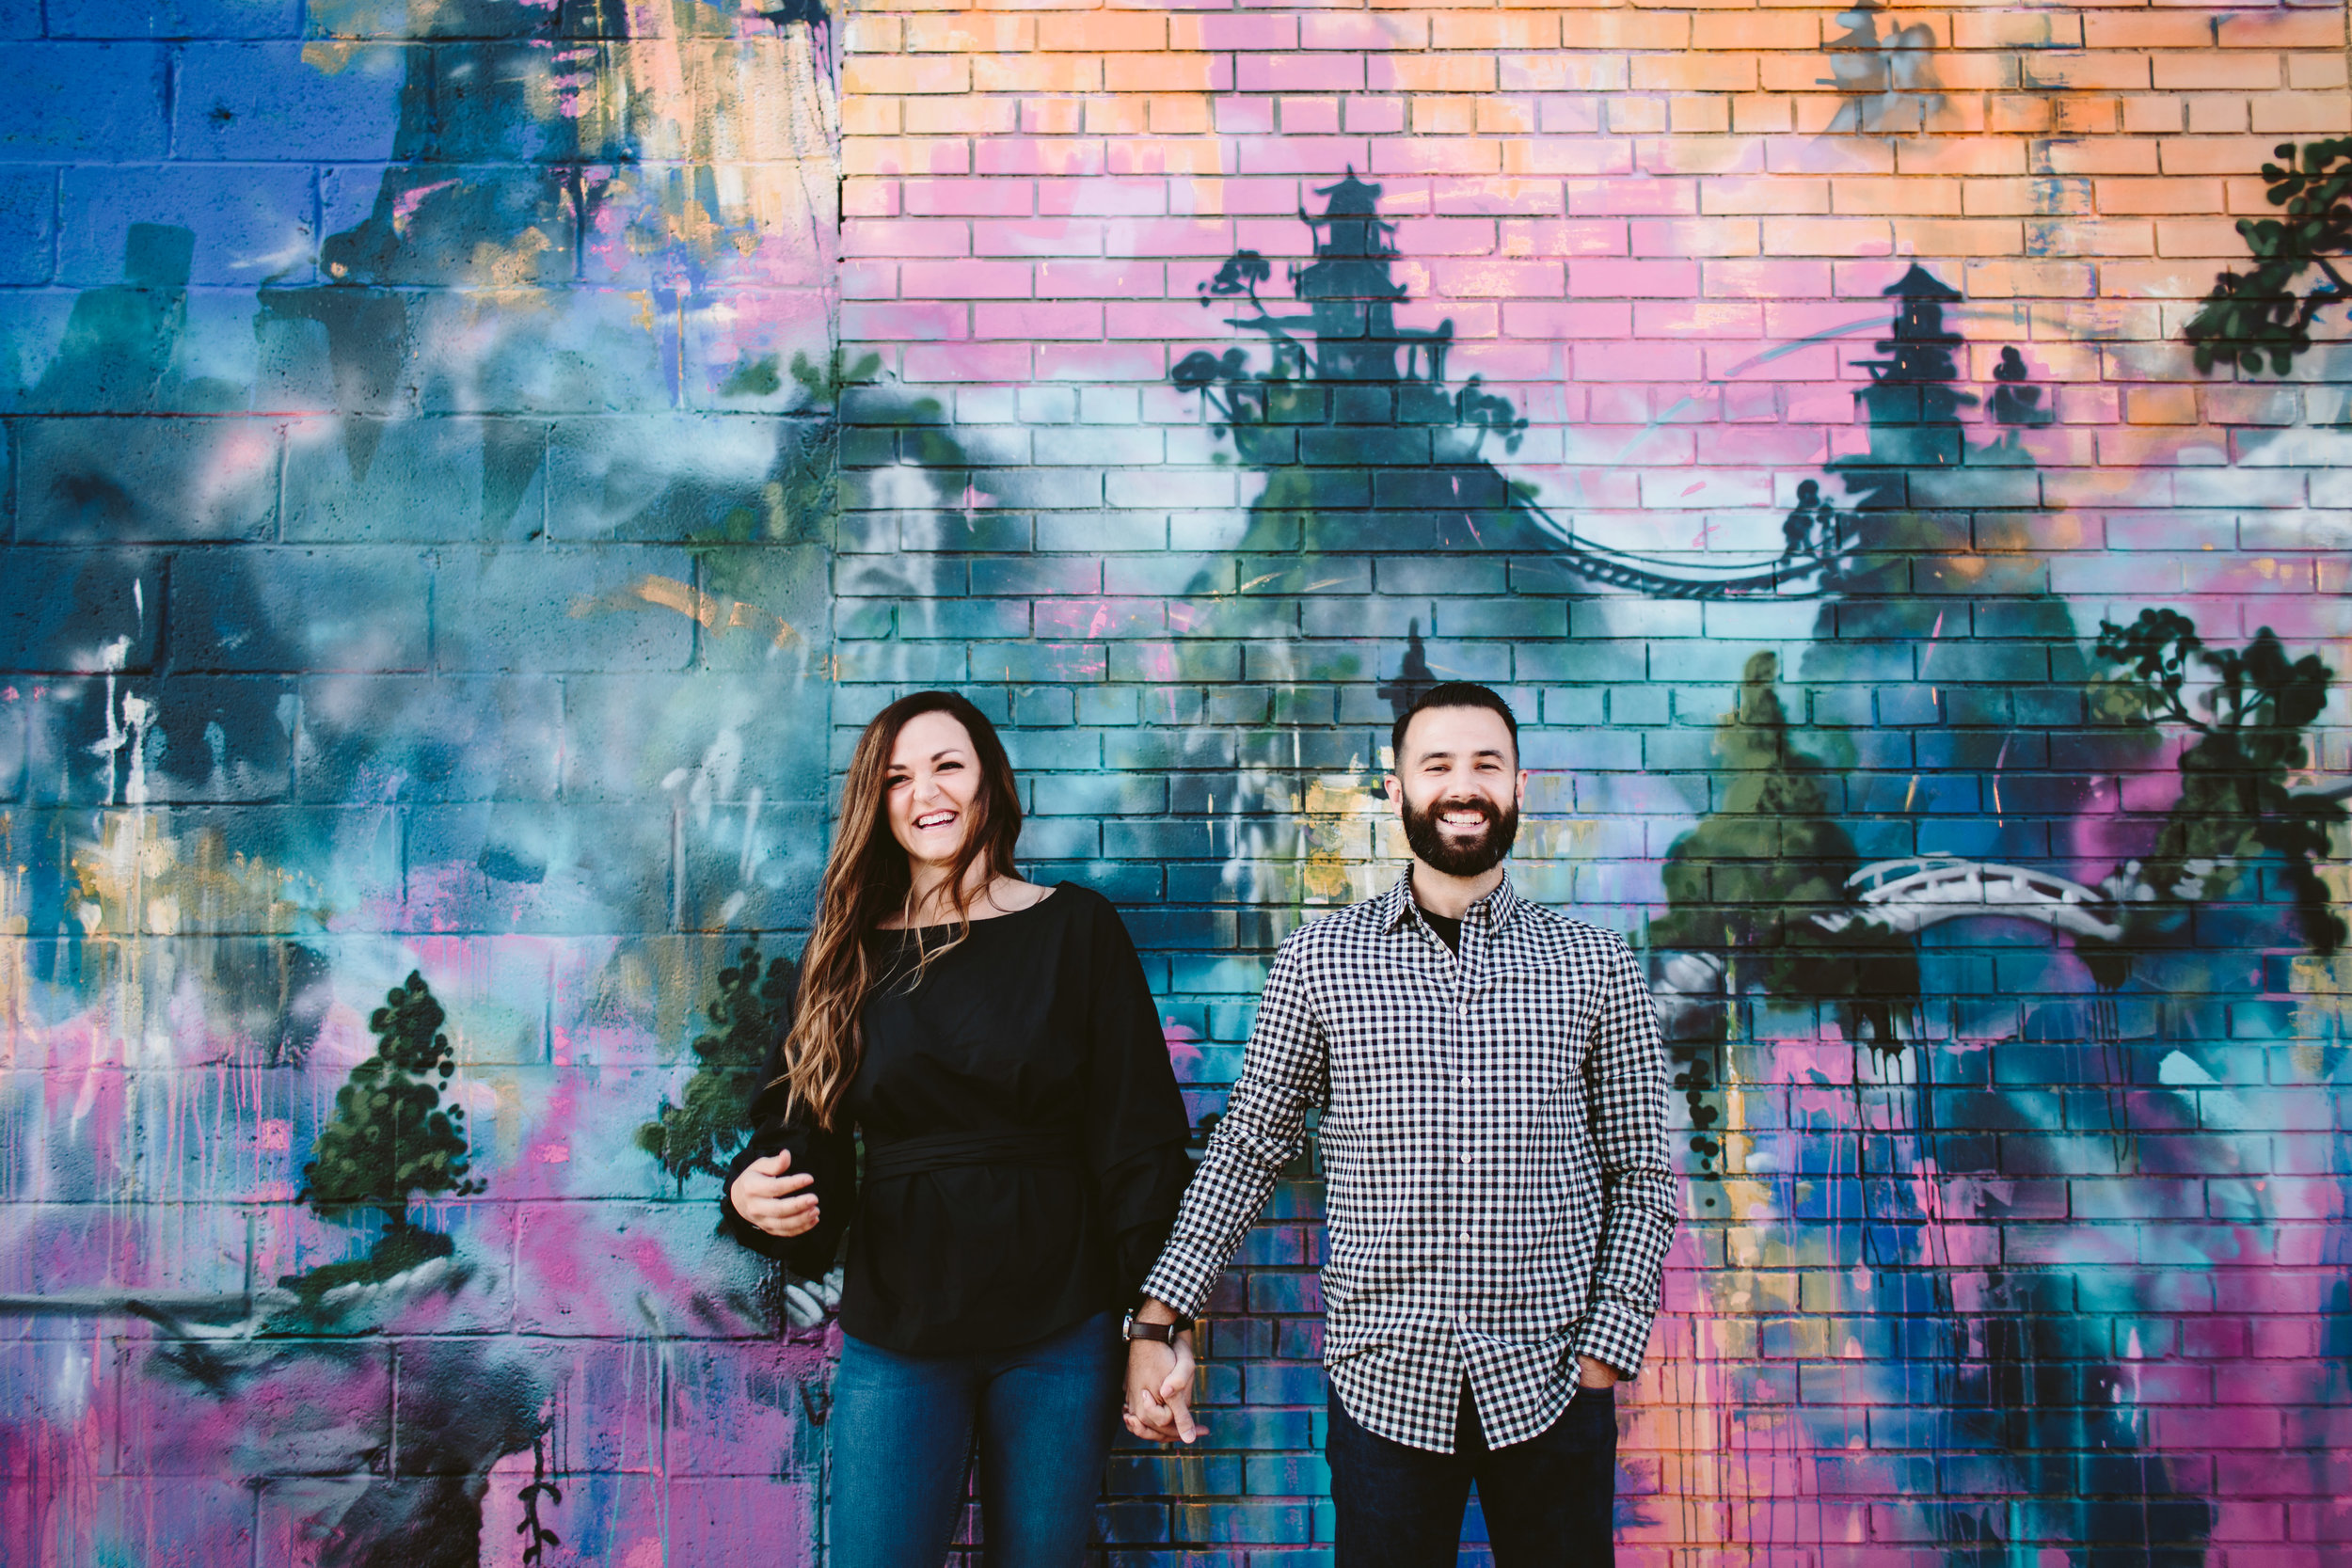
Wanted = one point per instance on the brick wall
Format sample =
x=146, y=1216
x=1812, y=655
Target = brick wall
x=465, y=458
x=1977, y=1258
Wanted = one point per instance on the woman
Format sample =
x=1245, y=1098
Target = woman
x=997, y=1045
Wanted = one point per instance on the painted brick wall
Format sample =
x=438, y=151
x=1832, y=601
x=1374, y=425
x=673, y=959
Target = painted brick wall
x=465, y=457
x=1990, y=1247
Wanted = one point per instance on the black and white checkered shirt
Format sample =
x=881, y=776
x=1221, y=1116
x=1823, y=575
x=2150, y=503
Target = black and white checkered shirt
x=1494, y=1146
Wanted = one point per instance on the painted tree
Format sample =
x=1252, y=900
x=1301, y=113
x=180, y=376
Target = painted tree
x=2236, y=809
x=2262, y=319
x=703, y=1132
x=390, y=1136
x=1747, y=881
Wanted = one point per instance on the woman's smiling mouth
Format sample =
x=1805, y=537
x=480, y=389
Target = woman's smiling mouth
x=934, y=819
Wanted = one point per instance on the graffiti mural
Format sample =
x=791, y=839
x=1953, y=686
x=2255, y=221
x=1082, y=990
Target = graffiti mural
x=422, y=539
x=473, y=466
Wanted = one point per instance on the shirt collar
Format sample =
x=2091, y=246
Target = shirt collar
x=1500, y=902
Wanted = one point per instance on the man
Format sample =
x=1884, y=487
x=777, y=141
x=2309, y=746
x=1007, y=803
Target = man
x=1499, y=1197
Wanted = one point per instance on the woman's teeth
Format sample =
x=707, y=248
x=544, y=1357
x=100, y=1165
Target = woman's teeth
x=936, y=819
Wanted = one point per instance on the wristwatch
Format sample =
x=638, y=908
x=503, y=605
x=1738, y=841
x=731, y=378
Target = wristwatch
x=1130, y=1328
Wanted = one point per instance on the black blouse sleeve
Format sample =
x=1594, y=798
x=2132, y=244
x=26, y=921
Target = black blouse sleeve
x=831, y=1157
x=1136, y=1124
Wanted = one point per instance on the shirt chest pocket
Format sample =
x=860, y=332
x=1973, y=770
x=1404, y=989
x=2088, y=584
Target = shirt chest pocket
x=1533, y=1025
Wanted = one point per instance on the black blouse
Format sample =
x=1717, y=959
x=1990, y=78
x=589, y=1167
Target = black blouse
x=1024, y=1138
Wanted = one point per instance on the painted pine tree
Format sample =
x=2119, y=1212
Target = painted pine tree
x=1747, y=881
x=703, y=1132
x=391, y=1137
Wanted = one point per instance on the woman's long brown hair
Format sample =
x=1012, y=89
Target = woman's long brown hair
x=867, y=877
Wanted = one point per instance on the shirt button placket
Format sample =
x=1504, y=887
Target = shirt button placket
x=1459, y=999
x=1474, y=935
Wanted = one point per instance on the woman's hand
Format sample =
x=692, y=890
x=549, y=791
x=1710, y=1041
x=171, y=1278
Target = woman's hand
x=772, y=1201
x=1159, y=1389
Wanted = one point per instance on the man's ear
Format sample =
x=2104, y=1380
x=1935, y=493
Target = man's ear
x=1394, y=787
x=1519, y=795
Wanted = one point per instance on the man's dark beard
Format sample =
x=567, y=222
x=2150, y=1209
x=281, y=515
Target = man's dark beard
x=1474, y=859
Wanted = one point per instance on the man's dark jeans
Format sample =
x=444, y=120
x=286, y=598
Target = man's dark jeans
x=1548, y=1501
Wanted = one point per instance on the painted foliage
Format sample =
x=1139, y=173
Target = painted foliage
x=474, y=465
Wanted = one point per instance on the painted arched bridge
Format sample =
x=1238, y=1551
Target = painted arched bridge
x=1911, y=895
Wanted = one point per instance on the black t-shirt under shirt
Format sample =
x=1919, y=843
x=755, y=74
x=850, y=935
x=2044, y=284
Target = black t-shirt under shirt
x=1039, y=1026
x=1449, y=928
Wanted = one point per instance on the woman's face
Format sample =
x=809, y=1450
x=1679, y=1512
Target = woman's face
x=929, y=787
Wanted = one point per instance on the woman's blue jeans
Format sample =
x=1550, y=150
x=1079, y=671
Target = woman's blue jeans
x=904, y=1429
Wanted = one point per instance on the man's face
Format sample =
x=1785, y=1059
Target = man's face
x=1458, y=786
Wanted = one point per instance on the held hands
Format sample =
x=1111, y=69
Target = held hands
x=772, y=1201
x=1159, y=1389
x=809, y=1302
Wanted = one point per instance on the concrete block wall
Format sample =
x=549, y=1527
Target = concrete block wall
x=473, y=467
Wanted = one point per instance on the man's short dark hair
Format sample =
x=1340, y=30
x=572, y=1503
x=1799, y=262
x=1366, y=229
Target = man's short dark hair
x=1451, y=694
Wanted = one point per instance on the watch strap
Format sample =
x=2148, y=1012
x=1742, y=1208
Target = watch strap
x=1134, y=1328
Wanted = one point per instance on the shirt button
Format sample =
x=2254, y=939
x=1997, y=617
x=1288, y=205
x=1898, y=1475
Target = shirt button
x=1466, y=1081
x=1465, y=1159
x=1466, y=1238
